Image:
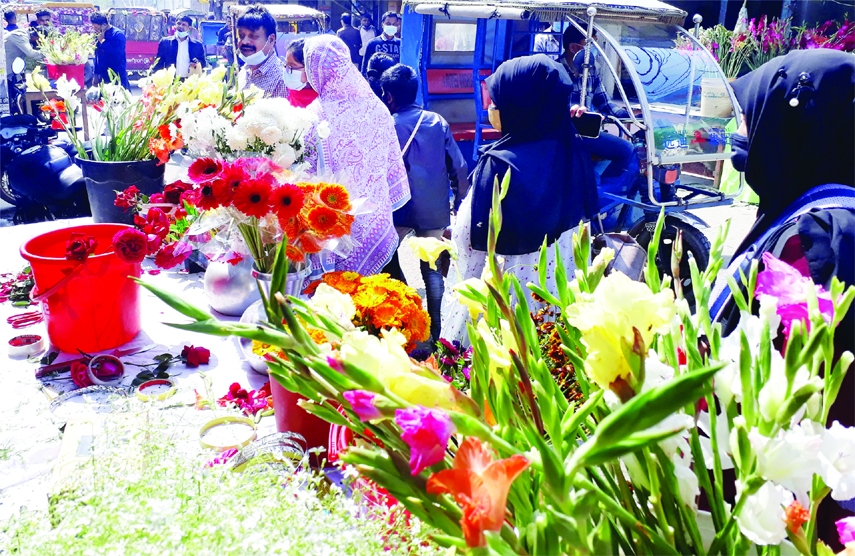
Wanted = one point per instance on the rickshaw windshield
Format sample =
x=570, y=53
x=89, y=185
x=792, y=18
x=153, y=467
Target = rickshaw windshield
x=688, y=102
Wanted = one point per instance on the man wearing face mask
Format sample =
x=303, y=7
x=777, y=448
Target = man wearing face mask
x=256, y=30
x=388, y=42
x=181, y=51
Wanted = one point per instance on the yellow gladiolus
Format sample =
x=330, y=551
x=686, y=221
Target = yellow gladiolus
x=36, y=81
x=607, y=318
x=163, y=78
x=428, y=249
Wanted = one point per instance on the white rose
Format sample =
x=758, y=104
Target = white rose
x=763, y=519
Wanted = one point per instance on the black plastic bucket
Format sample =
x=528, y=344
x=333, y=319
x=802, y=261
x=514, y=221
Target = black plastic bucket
x=104, y=179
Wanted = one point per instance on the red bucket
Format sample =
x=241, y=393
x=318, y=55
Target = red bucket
x=290, y=417
x=70, y=72
x=90, y=306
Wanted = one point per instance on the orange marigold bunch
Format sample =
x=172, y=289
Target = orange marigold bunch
x=381, y=303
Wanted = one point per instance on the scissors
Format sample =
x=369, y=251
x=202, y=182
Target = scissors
x=25, y=319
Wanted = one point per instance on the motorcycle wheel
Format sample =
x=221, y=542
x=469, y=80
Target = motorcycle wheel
x=6, y=192
x=694, y=243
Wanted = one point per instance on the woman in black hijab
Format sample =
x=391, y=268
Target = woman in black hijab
x=796, y=147
x=552, y=185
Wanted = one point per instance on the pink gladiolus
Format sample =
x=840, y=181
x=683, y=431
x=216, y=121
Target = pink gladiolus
x=790, y=288
x=362, y=403
x=426, y=432
x=846, y=530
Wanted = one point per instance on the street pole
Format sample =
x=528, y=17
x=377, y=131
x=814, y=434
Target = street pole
x=787, y=9
x=722, y=12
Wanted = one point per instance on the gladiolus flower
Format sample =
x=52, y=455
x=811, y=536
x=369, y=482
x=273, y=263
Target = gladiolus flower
x=797, y=516
x=426, y=432
x=362, y=403
x=428, y=249
x=791, y=289
x=846, y=530
x=479, y=485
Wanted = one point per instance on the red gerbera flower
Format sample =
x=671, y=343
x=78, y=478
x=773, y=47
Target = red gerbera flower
x=286, y=201
x=252, y=197
x=205, y=197
x=204, y=169
x=227, y=183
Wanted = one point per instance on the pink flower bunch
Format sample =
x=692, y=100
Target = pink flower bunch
x=831, y=34
x=426, y=432
x=251, y=402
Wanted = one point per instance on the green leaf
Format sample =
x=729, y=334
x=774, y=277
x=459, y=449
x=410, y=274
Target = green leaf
x=175, y=301
x=647, y=409
x=609, y=452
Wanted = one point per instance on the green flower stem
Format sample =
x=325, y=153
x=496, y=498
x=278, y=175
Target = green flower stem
x=819, y=492
x=752, y=484
x=617, y=511
x=652, y=463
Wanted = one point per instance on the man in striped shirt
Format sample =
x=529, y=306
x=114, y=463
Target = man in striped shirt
x=256, y=47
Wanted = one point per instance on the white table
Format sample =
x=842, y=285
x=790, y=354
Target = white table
x=29, y=439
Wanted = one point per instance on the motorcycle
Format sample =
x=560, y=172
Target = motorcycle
x=37, y=171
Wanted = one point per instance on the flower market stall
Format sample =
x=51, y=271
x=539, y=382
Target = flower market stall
x=280, y=403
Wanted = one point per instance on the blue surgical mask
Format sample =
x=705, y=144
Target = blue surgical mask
x=390, y=30
x=739, y=146
x=182, y=34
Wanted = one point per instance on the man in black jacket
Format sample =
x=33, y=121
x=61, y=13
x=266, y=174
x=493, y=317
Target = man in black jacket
x=180, y=51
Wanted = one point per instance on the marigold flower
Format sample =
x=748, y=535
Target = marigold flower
x=479, y=485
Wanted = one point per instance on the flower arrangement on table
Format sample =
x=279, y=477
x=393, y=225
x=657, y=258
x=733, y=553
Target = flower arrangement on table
x=836, y=35
x=69, y=48
x=131, y=129
x=266, y=128
x=267, y=208
x=770, y=39
x=513, y=467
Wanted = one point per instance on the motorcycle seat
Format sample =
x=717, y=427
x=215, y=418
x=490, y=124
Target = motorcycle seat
x=19, y=121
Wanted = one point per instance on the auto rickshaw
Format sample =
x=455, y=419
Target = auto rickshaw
x=143, y=28
x=64, y=15
x=678, y=101
x=293, y=22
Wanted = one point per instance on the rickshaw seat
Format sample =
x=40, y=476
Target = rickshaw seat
x=466, y=132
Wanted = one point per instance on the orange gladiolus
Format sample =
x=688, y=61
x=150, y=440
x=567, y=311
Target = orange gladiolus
x=479, y=485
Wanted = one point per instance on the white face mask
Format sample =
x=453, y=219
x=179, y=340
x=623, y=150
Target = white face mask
x=390, y=30
x=182, y=34
x=255, y=58
x=294, y=80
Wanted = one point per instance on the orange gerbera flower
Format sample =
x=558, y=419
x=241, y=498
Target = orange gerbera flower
x=294, y=254
x=479, y=485
x=310, y=243
x=322, y=219
x=335, y=196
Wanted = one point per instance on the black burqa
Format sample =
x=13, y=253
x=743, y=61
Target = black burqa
x=552, y=183
x=791, y=150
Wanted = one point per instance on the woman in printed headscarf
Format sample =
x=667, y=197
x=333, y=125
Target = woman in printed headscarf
x=552, y=185
x=796, y=148
x=361, y=149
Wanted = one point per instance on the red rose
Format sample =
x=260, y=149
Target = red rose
x=80, y=374
x=195, y=356
x=156, y=198
x=189, y=196
x=131, y=245
x=172, y=192
x=79, y=247
x=128, y=198
x=173, y=255
x=155, y=226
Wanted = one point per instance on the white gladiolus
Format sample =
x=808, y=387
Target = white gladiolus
x=789, y=459
x=763, y=518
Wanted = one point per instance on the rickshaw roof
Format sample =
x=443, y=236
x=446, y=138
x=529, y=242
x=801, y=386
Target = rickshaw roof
x=181, y=12
x=33, y=8
x=284, y=12
x=548, y=10
x=148, y=9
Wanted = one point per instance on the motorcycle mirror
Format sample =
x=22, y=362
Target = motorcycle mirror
x=18, y=65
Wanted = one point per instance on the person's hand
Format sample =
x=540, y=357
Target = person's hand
x=576, y=111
